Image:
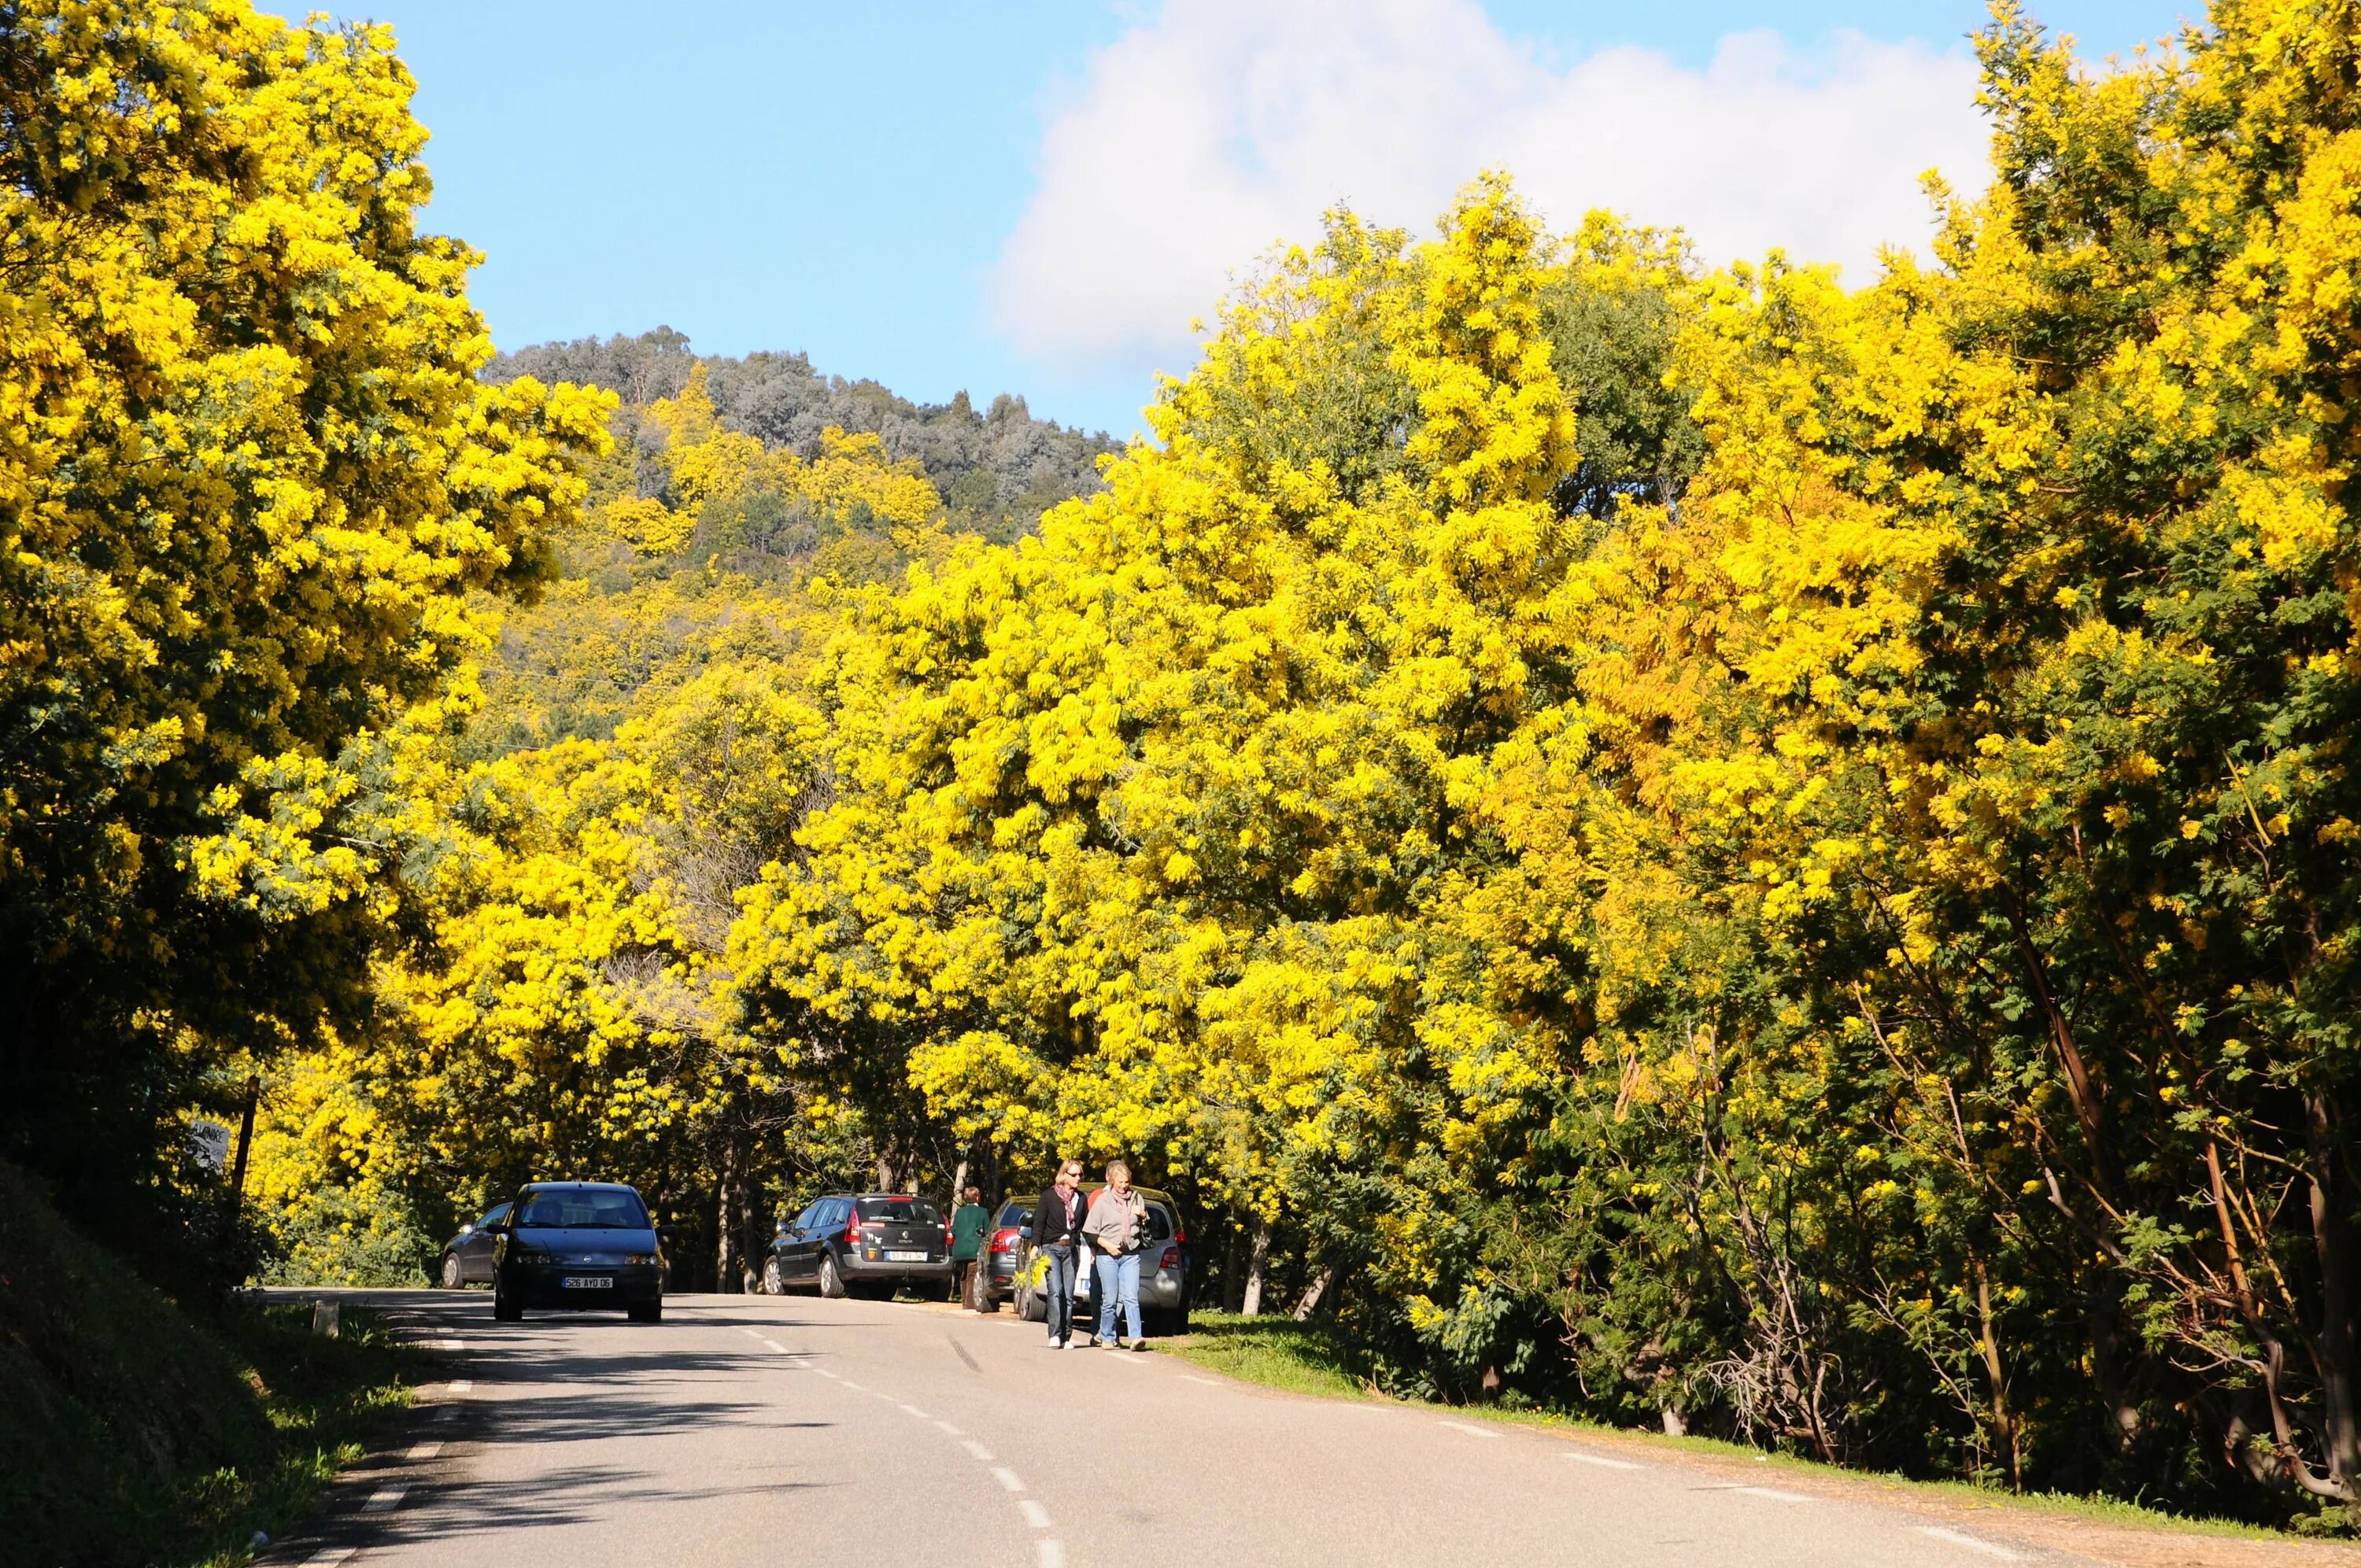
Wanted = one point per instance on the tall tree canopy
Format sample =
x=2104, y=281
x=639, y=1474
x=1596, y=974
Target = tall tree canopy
x=1698, y=846
x=247, y=479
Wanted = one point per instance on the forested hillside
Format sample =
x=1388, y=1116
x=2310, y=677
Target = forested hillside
x=1684, y=842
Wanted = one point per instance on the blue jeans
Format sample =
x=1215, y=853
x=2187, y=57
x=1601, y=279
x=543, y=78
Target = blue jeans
x=1058, y=1287
x=1118, y=1280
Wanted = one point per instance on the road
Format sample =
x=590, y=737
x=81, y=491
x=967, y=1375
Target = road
x=761, y=1430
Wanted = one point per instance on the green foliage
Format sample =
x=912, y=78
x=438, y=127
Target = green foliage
x=131, y=1431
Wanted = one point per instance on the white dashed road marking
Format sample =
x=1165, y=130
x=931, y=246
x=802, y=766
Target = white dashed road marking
x=424, y=1451
x=334, y=1554
x=385, y=1500
x=1471, y=1431
x=1958, y=1538
x=1191, y=1377
x=1602, y=1461
x=1051, y=1551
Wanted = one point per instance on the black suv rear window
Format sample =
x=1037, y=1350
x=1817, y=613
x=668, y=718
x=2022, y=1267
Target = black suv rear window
x=901, y=1212
x=585, y=1211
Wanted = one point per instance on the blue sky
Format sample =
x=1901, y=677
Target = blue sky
x=996, y=198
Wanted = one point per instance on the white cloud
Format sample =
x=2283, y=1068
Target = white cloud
x=1222, y=126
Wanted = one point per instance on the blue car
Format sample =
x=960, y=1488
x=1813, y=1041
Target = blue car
x=572, y=1245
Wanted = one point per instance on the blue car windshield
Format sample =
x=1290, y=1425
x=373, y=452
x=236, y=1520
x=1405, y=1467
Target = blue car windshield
x=585, y=1211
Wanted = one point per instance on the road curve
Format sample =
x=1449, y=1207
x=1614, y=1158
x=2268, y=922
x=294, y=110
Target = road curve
x=759, y=1430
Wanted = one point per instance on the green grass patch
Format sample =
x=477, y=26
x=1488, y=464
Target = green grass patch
x=1313, y=1358
x=134, y=1432
x=1277, y=1353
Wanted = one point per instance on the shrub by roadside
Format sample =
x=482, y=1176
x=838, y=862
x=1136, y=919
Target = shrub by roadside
x=134, y=1432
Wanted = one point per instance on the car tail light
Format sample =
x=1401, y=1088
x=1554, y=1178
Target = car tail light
x=1171, y=1259
x=947, y=1235
x=853, y=1231
x=1005, y=1241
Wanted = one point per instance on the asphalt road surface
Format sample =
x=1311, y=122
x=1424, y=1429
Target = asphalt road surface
x=763, y=1429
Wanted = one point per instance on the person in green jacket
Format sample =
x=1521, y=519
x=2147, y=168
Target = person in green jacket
x=970, y=1223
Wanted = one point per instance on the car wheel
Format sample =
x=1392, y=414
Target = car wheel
x=1030, y=1307
x=506, y=1307
x=773, y=1285
x=449, y=1277
x=831, y=1282
x=648, y=1313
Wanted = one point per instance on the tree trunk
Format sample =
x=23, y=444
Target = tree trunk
x=2332, y=1235
x=2002, y=1426
x=1234, y=1279
x=725, y=1226
x=1251, y=1302
x=1313, y=1292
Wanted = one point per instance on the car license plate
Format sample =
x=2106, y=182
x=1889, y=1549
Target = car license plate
x=906, y=1257
x=588, y=1282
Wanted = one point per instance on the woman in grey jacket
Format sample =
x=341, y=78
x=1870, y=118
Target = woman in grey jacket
x=1116, y=1230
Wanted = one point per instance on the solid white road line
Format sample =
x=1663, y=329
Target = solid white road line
x=914, y=1411
x=1035, y=1514
x=1007, y=1477
x=774, y=1345
x=948, y=1430
x=1601, y=1461
x=1958, y=1538
x=1208, y=1382
x=1775, y=1495
x=751, y=1333
x=1471, y=1431
x=424, y=1451
x=385, y=1500
x=977, y=1452
x=852, y=1385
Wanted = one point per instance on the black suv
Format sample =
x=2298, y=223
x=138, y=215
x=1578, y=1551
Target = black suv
x=577, y=1243
x=861, y=1244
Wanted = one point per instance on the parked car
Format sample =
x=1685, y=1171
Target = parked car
x=577, y=1245
x=1001, y=1246
x=861, y=1244
x=467, y=1257
x=1163, y=1271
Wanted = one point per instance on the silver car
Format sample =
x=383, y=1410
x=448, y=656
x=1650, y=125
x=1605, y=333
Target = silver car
x=1163, y=1272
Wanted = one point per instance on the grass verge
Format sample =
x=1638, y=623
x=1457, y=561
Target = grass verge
x=133, y=1431
x=1311, y=1358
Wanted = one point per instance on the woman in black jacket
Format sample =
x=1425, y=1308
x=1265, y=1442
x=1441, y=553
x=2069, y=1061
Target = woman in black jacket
x=1057, y=1232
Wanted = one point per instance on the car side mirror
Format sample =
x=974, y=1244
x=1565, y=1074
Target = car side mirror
x=1025, y=1233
